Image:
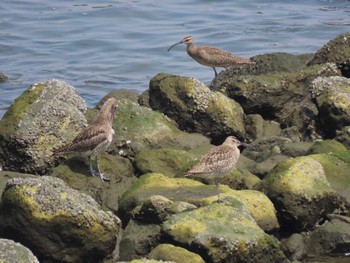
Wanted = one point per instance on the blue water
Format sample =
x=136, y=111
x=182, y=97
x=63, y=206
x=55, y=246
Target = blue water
x=100, y=46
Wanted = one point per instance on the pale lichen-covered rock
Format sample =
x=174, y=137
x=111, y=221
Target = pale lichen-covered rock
x=223, y=232
x=195, y=107
x=282, y=96
x=199, y=194
x=11, y=251
x=301, y=193
x=138, y=128
x=168, y=252
x=41, y=119
x=332, y=95
x=47, y=216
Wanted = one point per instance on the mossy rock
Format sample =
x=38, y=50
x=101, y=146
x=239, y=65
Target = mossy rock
x=223, y=232
x=326, y=146
x=75, y=172
x=168, y=252
x=199, y=194
x=11, y=251
x=47, y=216
x=195, y=108
x=336, y=166
x=43, y=118
x=139, y=128
x=299, y=189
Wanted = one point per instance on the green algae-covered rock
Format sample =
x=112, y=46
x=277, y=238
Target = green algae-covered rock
x=75, y=172
x=168, y=252
x=195, y=108
x=138, y=240
x=169, y=162
x=47, y=216
x=332, y=96
x=41, y=119
x=199, y=194
x=138, y=128
x=11, y=251
x=282, y=96
x=223, y=232
x=336, y=166
x=326, y=146
x=145, y=260
x=299, y=189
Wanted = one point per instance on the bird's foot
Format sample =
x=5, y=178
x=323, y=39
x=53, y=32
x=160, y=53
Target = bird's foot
x=95, y=173
x=104, y=178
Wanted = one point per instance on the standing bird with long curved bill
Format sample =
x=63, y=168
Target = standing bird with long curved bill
x=211, y=56
x=95, y=138
x=218, y=162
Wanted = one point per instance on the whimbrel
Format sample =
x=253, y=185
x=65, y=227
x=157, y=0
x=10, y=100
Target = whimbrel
x=95, y=138
x=211, y=56
x=218, y=162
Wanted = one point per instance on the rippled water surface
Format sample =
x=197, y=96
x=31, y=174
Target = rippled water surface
x=100, y=46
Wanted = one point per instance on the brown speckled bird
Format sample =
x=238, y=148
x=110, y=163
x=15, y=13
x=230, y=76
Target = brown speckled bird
x=211, y=56
x=95, y=138
x=218, y=162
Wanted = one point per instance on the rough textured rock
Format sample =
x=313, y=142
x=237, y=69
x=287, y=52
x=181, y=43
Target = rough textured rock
x=294, y=247
x=223, y=232
x=11, y=251
x=195, y=108
x=326, y=146
x=3, y=78
x=138, y=128
x=47, y=216
x=257, y=127
x=41, y=119
x=75, y=172
x=193, y=192
x=172, y=253
x=138, y=240
x=335, y=51
x=343, y=136
x=332, y=95
x=283, y=96
x=299, y=189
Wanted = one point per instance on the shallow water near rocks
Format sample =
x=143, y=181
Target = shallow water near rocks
x=101, y=46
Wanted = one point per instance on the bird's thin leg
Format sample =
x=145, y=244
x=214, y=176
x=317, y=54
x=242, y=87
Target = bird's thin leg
x=216, y=74
x=91, y=168
x=217, y=189
x=99, y=171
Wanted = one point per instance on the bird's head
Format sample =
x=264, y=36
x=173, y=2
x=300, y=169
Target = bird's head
x=186, y=40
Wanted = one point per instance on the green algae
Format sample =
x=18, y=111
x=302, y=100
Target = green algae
x=170, y=252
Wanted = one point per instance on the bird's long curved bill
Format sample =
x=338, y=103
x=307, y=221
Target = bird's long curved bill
x=178, y=43
x=247, y=145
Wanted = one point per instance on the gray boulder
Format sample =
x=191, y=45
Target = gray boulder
x=11, y=251
x=40, y=120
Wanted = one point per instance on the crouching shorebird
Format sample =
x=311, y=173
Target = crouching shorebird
x=211, y=56
x=95, y=138
x=218, y=162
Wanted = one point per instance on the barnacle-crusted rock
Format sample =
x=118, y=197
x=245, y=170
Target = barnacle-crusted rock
x=46, y=216
x=332, y=95
x=11, y=251
x=223, y=232
x=299, y=189
x=41, y=119
x=195, y=108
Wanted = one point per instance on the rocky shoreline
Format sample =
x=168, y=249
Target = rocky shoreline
x=286, y=201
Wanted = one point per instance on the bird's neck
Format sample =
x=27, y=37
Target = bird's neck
x=190, y=48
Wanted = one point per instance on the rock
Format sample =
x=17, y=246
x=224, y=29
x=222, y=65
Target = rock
x=11, y=251
x=195, y=108
x=7, y=175
x=257, y=127
x=332, y=95
x=336, y=166
x=332, y=237
x=343, y=136
x=294, y=247
x=138, y=240
x=326, y=146
x=138, y=128
x=43, y=118
x=299, y=189
x=47, y=216
x=75, y=172
x=3, y=78
x=168, y=252
x=335, y=51
x=193, y=192
x=120, y=94
x=283, y=96
x=169, y=162
x=222, y=232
